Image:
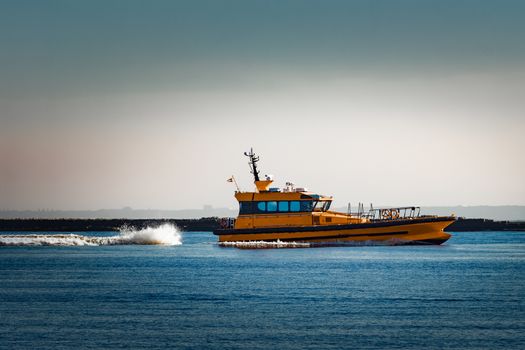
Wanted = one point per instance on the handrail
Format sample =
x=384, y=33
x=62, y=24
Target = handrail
x=393, y=213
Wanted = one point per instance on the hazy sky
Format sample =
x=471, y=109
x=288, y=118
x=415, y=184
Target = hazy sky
x=150, y=104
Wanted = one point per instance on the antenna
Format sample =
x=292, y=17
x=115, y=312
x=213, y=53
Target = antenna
x=253, y=163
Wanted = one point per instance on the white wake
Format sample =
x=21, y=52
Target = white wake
x=265, y=244
x=165, y=234
x=281, y=244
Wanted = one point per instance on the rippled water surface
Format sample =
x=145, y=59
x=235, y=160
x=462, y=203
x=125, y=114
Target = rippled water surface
x=466, y=294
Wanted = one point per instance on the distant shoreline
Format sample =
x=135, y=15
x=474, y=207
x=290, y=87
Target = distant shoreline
x=202, y=224
x=496, y=213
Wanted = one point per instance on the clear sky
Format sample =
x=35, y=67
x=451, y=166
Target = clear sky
x=150, y=104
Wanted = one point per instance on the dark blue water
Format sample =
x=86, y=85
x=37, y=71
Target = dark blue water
x=466, y=294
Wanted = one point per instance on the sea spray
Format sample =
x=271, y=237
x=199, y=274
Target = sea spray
x=165, y=234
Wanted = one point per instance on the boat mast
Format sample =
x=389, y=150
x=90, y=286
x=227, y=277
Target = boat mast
x=253, y=163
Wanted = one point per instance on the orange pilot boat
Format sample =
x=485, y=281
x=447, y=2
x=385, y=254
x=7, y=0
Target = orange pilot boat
x=294, y=214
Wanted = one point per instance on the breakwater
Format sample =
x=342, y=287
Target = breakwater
x=202, y=224
x=83, y=225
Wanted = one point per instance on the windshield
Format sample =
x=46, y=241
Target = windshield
x=322, y=205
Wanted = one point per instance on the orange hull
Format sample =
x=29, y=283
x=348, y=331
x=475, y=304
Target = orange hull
x=423, y=230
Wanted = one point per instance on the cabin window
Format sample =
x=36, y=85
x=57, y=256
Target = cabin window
x=306, y=205
x=246, y=208
x=261, y=206
x=283, y=206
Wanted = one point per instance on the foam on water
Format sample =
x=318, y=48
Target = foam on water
x=281, y=244
x=166, y=234
x=264, y=244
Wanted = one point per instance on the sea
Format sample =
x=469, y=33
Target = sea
x=159, y=288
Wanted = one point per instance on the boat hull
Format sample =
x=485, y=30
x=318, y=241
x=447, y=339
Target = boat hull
x=429, y=230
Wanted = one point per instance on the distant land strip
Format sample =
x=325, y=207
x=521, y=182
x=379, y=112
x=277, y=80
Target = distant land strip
x=202, y=224
x=496, y=213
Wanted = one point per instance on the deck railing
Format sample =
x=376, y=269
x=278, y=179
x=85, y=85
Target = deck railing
x=394, y=213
